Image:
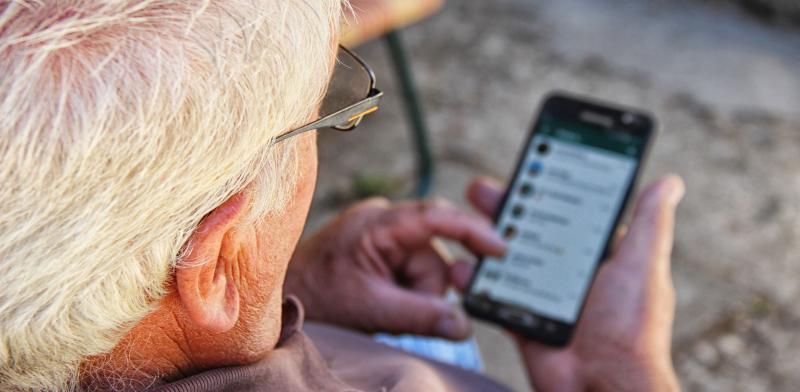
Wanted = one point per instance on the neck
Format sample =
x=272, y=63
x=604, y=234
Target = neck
x=153, y=352
x=165, y=346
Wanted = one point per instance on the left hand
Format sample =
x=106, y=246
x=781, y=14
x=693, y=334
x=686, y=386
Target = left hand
x=374, y=268
x=622, y=341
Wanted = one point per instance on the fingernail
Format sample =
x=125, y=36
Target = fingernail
x=498, y=241
x=676, y=189
x=455, y=326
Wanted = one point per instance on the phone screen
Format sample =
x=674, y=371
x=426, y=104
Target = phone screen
x=560, y=211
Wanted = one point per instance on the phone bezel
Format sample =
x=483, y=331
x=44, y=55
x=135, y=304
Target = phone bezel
x=567, y=106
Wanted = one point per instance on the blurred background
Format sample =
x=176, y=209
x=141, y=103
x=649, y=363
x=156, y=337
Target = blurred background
x=723, y=79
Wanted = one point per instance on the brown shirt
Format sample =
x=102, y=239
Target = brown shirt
x=323, y=358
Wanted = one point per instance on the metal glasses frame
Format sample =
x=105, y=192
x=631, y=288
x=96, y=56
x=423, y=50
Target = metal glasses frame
x=343, y=119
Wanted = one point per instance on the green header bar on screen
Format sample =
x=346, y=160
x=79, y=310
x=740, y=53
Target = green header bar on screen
x=593, y=136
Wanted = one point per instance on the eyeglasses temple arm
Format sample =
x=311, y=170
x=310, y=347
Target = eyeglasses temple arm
x=343, y=116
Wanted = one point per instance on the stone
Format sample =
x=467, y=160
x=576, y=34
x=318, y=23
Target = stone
x=706, y=353
x=730, y=345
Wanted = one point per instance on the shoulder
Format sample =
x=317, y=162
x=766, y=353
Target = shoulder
x=359, y=361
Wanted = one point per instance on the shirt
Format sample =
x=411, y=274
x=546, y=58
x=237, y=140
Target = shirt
x=324, y=358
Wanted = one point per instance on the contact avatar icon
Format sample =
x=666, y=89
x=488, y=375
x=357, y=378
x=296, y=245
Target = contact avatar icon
x=535, y=168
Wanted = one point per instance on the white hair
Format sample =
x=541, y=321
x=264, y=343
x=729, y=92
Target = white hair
x=122, y=124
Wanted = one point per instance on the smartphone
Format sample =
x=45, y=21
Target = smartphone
x=574, y=178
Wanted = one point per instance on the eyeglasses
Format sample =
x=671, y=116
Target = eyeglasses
x=350, y=96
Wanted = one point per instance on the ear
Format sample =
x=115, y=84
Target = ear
x=205, y=278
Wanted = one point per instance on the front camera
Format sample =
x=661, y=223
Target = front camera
x=628, y=118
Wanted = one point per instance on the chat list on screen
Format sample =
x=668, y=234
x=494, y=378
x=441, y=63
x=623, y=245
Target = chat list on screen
x=558, y=216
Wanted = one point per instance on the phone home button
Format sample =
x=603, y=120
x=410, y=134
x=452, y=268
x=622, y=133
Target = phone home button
x=518, y=317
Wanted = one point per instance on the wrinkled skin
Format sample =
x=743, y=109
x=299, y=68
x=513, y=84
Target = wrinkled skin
x=373, y=269
x=622, y=341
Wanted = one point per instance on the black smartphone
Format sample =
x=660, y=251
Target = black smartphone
x=569, y=191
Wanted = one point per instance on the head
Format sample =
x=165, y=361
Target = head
x=125, y=126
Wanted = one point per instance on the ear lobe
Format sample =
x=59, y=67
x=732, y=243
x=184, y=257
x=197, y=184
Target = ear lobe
x=204, y=279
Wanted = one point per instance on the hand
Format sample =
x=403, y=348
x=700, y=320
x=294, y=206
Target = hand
x=622, y=341
x=374, y=268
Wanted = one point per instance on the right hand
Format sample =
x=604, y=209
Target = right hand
x=622, y=341
x=374, y=268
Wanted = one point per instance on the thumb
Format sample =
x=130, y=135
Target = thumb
x=461, y=274
x=649, y=235
x=422, y=314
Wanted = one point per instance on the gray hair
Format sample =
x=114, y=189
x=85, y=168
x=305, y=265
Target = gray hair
x=122, y=124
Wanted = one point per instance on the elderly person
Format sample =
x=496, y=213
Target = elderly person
x=151, y=200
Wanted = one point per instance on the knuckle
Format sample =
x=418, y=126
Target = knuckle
x=373, y=203
x=364, y=211
x=377, y=201
x=437, y=203
x=434, y=209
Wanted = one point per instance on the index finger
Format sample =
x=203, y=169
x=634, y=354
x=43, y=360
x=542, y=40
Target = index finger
x=485, y=194
x=412, y=225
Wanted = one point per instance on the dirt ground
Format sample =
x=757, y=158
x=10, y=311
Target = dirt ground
x=726, y=90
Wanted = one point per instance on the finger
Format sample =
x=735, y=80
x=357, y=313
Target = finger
x=549, y=360
x=412, y=225
x=425, y=272
x=649, y=236
x=461, y=274
x=485, y=194
x=375, y=202
x=622, y=230
x=415, y=313
x=441, y=249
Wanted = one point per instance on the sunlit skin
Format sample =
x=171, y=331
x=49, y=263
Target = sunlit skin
x=226, y=310
x=622, y=342
x=374, y=268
